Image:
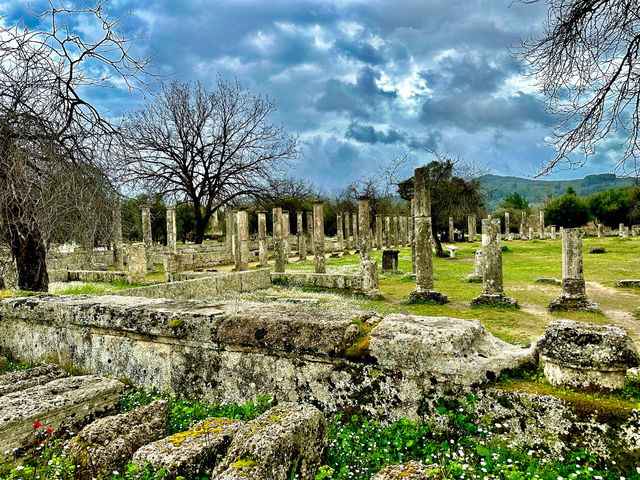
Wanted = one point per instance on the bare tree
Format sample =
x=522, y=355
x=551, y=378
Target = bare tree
x=46, y=121
x=206, y=147
x=587, y=65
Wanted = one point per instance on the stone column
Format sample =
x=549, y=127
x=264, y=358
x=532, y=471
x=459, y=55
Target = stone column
x=507, y=226
x=340, y=231
x=492, y=288
x=147, y=238
x=278, y=242
x=318, y=237
x=137, y=264
x=379, y=232
x=118, y=254
x=573, y=296
x=387, y=231
x=523, y=225
x=310, y=232
x=471, y=227
x=365, y=230
x=347, y=230
x=302, y=240
x=354, y=227
x=413, y=236
x=424, y=291
x=530, y=233
x=230, y=221
x=553, y=232
x=451, y=229
x=263, y=247
x=172, y=232
x=600, y=230
x=286, y=232
x=541, y=214
x=396, y=231
x=403, y=231
x=242, y=241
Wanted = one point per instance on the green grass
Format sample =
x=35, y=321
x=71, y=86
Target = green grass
x=523, y=263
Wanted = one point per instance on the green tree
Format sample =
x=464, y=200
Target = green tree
x=611, y=207
x=516, y=201
x=568, y=211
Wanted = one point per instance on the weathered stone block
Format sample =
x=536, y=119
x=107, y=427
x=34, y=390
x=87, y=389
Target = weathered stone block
x=587, y=356
x=109, y=443
x=390, y=260
x=286, y=440
x=597, y=250
x=628, y=283
x=65, y=403
x=186, y=453
x=21, y=380
x=447, y=349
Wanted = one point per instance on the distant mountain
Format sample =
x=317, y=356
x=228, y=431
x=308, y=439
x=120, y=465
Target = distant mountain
x=496, y=187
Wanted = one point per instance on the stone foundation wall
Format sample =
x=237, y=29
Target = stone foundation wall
x=405, y=367
x=324, y=280
x=86, y=276
x=204, y=287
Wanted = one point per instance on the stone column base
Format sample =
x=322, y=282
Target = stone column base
x=583, y=379
x=564, y=303
x=428, y=296
x=499, y=299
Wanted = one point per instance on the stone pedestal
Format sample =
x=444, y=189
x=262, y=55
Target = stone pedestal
x=279, y=251
x=530, y=233
x=553, y=232
x=118, y=253
x=340, y=231
x=137, y=264
x=390, y=260
x=573, y=296
x=242, y=241
x=302, y=240
x=379, y=232
x=600, y=230
x=172, y=230
x=587, y=356
x=492, y=286
x=347, y=230
x=541, y=215
x=471, y=227
x=171, y=266
x=318, y=237
x=263, y=247
x=424, y=291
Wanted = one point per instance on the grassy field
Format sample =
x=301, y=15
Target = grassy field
x=523, y=263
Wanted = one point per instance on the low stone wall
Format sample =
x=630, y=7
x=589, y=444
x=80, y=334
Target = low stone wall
x=79, y=260
x=204, y=287
x=86, y=276
x=324, y=280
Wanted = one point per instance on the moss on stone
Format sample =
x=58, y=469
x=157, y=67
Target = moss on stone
x=176, y=323
x=213, y=425
x=609, y=410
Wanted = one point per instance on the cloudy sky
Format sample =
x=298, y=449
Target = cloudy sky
x=363, y=81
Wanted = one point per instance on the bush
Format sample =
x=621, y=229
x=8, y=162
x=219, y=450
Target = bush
x=569, y=211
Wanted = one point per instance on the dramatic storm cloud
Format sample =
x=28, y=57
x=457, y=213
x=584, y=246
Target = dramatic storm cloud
x=361, y=82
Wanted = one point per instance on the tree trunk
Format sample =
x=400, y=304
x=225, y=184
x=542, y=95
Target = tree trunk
x=436, y=241
x=28, y=249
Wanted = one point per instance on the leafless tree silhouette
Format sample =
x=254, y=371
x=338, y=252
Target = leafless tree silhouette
x=586, y=63
x=48, y=127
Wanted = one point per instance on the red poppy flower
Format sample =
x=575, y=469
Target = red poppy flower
x=36, y=425
x=50, y=431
